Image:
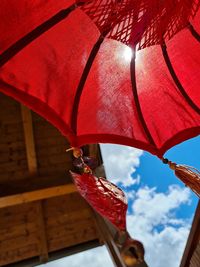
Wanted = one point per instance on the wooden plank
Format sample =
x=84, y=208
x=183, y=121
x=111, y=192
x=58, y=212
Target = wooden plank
x=15, y=231
x=37, y=195
x=42, y=234
x=31, y=184
x=49, y=141
x=64, y=218
x=11, y=211
x=9, y=155
x=13, y=145
x=69, y=228
x=29, y=140
x=12, y=176
x=11, y=138
x=13, y=166
x=55, y=170
x=57, y=160
x=43, y=130
x=79, y=237
x=14, y=128
x=18, y=220
x=52, y=150
x=13, y=256
x=61, y=205
x=16, y=243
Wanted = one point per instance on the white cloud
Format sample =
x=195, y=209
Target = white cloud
x=120, y=162
x=154, y=222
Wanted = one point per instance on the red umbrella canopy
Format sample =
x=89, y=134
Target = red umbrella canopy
x=71, y=62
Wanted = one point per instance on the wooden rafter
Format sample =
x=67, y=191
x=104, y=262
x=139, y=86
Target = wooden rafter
x=29, y=140
x=36, y=195
x=42, y=233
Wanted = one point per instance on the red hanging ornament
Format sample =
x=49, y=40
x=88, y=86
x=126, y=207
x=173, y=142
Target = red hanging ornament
x=110, y=202
x=105, y=197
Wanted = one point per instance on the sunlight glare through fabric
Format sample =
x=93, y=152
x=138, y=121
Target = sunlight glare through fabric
x=127, y=53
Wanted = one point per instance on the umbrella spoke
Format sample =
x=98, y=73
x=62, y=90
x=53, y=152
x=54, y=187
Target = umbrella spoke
x=83, y=79
x=195, y=34
x=34, y=34
x=137, y=102
x=176, y=80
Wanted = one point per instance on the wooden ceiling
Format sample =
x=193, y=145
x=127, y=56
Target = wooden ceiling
x=40, y=211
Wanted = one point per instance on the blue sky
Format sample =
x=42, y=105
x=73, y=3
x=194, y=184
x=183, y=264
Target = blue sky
x=155, y=174
x=160, y=210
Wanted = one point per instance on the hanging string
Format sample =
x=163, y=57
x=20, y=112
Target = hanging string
x=187, y=174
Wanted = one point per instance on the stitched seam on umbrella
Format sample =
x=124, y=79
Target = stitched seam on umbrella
x=34, y=34
x=195, y=34
x=137, y=102
x=176, y=80
x=86, y=71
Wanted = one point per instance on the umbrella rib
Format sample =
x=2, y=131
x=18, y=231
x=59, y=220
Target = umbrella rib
x=195, y=34
x=34, y=34
x=92, y=56
x=176, y=80
x=137, y=102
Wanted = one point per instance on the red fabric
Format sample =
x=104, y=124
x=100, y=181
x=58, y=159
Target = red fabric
x=45, y=75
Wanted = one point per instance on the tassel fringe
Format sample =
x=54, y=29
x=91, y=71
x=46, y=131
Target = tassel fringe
x=187, y=174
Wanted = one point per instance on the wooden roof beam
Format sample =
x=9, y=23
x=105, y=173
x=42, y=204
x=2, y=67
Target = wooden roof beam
x=37, y=195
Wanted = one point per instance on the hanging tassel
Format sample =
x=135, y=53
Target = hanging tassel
x=188, y=175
